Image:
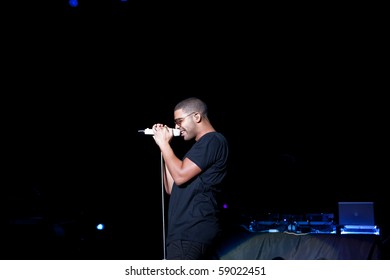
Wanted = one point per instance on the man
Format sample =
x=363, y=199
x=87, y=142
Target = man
x=193, y=182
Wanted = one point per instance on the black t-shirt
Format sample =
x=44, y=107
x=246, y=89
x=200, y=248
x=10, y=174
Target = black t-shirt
x=193, y=207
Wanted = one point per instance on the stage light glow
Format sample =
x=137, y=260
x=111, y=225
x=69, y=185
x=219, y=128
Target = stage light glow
x=73, y=3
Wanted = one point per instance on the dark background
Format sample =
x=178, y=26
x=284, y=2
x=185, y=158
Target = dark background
x=300, y=97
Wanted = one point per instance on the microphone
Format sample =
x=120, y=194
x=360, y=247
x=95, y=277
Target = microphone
x=149, y=131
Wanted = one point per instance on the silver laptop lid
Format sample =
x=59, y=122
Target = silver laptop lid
x=356, y=213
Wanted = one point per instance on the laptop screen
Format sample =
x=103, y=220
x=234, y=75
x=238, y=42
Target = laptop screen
x=356, y=213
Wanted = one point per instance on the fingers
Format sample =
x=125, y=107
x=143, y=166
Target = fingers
x=159, y=126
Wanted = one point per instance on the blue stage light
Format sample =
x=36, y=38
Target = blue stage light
x=100, y=227
x=73, y=3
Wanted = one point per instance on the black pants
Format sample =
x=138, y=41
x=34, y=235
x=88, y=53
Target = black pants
x=188, y=250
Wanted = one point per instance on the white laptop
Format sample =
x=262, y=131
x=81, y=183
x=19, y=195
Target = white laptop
x=357, y=217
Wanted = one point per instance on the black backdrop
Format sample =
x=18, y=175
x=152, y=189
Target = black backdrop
x=305, y=120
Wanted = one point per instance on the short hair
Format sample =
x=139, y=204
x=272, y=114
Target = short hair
x=192, y=104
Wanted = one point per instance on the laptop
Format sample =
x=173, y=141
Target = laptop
x=357, y=217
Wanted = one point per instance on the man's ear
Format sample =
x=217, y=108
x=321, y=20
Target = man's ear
x=198, y=117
